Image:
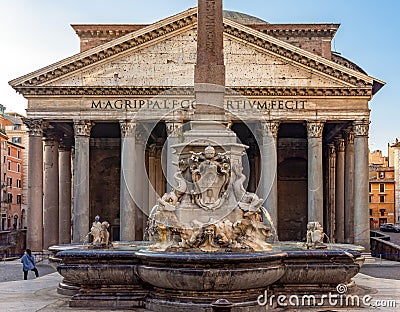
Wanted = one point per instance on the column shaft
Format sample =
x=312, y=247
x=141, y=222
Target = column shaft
x=349, y=188
x=174, y=130
x=339, y=191
x=269, y=169
x=152, y=177
x=331, y=193
x=127, y=190
x=81, y=224
x=64, y=197
x=50, y=200
x=140, y=175
x=315, y=176
x=361, y=205
x=34, y=218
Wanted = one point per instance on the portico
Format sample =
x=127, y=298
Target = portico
x=111, y=114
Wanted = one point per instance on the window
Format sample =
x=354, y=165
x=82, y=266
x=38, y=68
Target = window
x=16, y=140
x=381, y=188
x=4, y=159
x=382, y=198
x=370, y=197
x=370, y=212
x=19, y=199
x=16, y=127
x=370, y=187
x=382, y=212
x=19, y=183
x=19, y=154
x=9, y=165
x=18, y=168
x=9, y=151
x=9, y=182
x=9, y=198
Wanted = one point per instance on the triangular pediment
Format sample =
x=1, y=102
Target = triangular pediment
x=164, y=54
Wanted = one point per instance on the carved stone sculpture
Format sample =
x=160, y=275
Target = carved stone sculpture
x=209, y=210
x=99, y=232
x=315, y=236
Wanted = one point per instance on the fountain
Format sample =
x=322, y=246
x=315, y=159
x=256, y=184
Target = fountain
x=208, y=234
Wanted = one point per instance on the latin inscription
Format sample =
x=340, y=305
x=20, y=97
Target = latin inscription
x=187, y=104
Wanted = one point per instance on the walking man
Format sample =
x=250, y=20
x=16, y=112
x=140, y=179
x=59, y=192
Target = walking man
x=28, y=264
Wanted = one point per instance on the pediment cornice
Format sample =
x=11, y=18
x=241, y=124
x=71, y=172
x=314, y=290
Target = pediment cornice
x=189, y=91
x=175, y=24
x=109, y=49
x=297, y=55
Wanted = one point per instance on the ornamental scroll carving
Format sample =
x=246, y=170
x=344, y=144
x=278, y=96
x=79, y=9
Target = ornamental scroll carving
x=314, y=129
x=82, y=128
x=270, y=128
x=361, y=128
x=128, y=128
x=173, y=127
x=35, y=126
x=339, y=142
x=349, y=136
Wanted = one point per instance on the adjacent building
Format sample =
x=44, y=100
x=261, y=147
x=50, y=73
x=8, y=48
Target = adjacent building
x=13, y=169
x=394, y=161
x=111, y=113
x=381, y=196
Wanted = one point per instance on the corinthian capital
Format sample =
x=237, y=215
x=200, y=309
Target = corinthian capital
x=128, y=128
x=270, y=128
x=349, y=136
x=173, y=127
x=82, y=127
x=314, y=129
x=339, y=144
x=35, y=126
x=361, y=127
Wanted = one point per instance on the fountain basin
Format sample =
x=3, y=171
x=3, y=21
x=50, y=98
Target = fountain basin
x=210, y=271
x=129, y=277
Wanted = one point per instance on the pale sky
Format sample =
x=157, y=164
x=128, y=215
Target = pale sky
x=37, y=33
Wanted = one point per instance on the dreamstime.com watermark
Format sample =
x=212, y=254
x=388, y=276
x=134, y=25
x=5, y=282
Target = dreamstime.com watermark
x=338, y=299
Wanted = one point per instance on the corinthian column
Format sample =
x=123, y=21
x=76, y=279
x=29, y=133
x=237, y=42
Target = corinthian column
x=349, y=187
x=331, y=192
x=140, y=175
x=50, y=200
x=339, y=191
x=127, y=192
x=361, y=205
x=269, y=192
x=64, y=197
x=34, y=239
x=81, y=180
x=315, y=179
x=174, y=130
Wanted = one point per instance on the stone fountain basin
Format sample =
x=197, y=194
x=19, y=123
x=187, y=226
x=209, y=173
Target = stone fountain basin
x=216, y=271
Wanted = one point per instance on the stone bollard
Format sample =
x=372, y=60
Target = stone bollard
x=222, y=305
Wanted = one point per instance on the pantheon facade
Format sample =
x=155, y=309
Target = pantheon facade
x=102, y=123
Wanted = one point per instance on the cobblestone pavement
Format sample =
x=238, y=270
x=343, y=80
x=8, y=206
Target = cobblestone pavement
x=12, y=270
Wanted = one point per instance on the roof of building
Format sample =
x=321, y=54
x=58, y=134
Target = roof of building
x=243, y=18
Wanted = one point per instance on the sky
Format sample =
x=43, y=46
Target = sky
x=37, y=33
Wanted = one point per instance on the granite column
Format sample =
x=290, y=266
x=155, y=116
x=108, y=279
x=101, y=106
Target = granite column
x=64, y=197
x=349, y=187
x=34, y=239
x=269, y=183
x=339, y=191
x=50, y=192
x=81, y=225
x=361, y=204
x=127, y=189
x=315, y=176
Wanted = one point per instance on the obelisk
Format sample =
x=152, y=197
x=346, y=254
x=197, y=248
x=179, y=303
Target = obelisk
x=209, y=75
